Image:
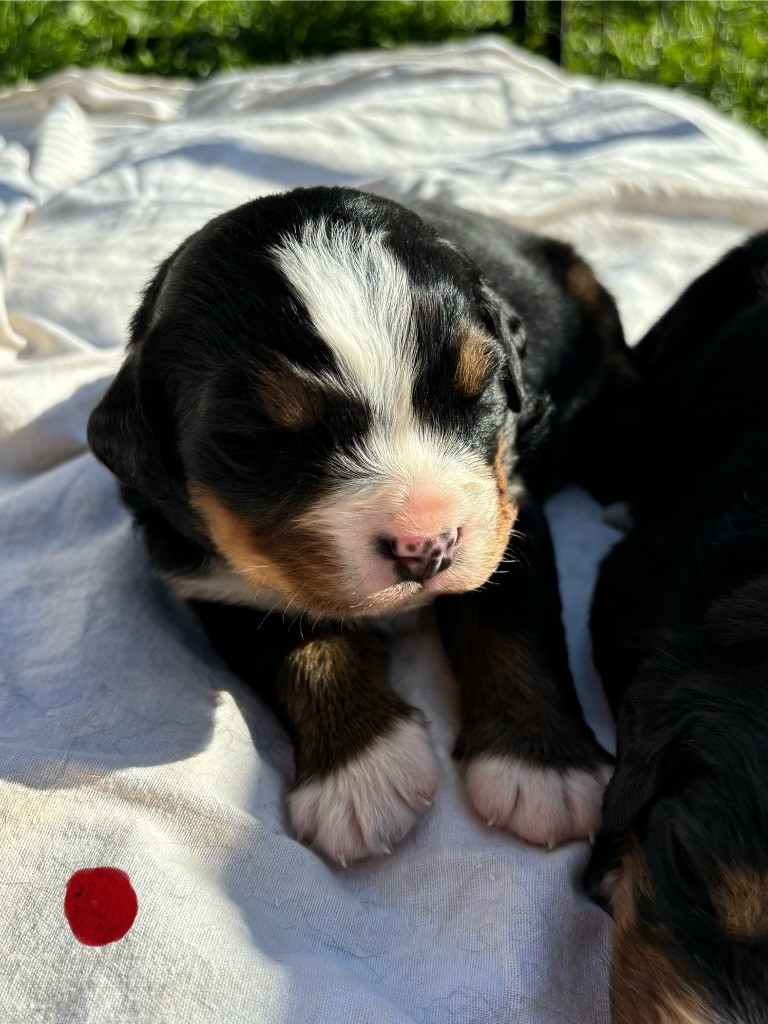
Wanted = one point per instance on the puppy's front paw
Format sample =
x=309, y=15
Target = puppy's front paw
x=370, y=803
x=543, y=806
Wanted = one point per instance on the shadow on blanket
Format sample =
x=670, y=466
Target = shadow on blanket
x=102, y=670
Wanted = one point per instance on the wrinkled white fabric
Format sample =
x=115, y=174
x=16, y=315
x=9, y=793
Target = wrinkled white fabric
x=123, y=739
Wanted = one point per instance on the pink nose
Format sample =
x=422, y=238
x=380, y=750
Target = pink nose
x=421, y=558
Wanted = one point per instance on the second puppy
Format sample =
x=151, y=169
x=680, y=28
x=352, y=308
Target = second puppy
x=680, y=625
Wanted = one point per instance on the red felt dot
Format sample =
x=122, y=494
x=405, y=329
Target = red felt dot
x=100, y=905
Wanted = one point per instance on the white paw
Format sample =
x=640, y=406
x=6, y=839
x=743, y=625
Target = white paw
x=369, y=804
x=544, y=806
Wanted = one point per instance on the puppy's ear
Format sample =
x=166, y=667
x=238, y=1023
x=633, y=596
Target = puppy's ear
x=507, y=326
x=638, y=799
x=123, y=438
x=129, y=430
x=627, y=799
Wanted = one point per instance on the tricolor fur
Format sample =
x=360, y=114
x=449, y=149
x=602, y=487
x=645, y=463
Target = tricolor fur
x=680, y=624
x=332, y=409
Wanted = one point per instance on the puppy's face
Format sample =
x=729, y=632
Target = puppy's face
x=330, y=388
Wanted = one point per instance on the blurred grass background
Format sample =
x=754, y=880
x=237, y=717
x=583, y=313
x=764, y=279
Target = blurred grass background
x=716, y=50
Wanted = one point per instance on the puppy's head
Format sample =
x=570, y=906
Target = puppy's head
x=330, y=388
x=682, y=864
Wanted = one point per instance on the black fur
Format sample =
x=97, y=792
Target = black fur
x=680, y=627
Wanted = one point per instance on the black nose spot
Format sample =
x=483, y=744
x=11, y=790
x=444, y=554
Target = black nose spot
x=421, y=562
x=418, y=570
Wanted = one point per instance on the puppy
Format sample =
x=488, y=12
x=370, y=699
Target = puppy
x=680, y=628
x=325, y=415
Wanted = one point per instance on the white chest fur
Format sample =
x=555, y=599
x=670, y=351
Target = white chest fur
x=222, y=585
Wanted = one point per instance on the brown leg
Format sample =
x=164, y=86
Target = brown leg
x=365, y=768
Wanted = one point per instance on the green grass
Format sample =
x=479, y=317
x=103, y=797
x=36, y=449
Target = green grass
x=718, y=51
x=183, y=37
x=715, y=50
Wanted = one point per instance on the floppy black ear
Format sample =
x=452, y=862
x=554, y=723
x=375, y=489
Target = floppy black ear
x=643, y=777
x=123, y=438
x=631, y=791
x=129, y=430
x=508, y=327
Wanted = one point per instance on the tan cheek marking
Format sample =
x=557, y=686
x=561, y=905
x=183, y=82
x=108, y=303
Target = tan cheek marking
x=288, y=399
x=497, y=512
x=507, y=510
x=474, y=364
x=298, y=566
x=741, y=903
x=645, y=988
x=236, y=541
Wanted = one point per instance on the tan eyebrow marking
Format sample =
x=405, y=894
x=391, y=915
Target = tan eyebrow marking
x=474, y=364
x=289, y=398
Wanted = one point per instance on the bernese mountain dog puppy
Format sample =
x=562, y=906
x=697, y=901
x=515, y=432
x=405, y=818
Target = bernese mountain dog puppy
x=325, y=416
x=680, y=629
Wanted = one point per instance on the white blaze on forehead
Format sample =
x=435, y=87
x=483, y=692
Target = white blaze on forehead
x=359, y=299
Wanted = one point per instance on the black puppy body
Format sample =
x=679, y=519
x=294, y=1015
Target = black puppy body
x=323, y=418
x=680, y=626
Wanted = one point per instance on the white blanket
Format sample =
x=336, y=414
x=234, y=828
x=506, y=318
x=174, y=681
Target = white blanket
x=123, y=739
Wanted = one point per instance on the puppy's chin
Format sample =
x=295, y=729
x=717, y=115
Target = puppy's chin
x=390, y=600
x=401, y=597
